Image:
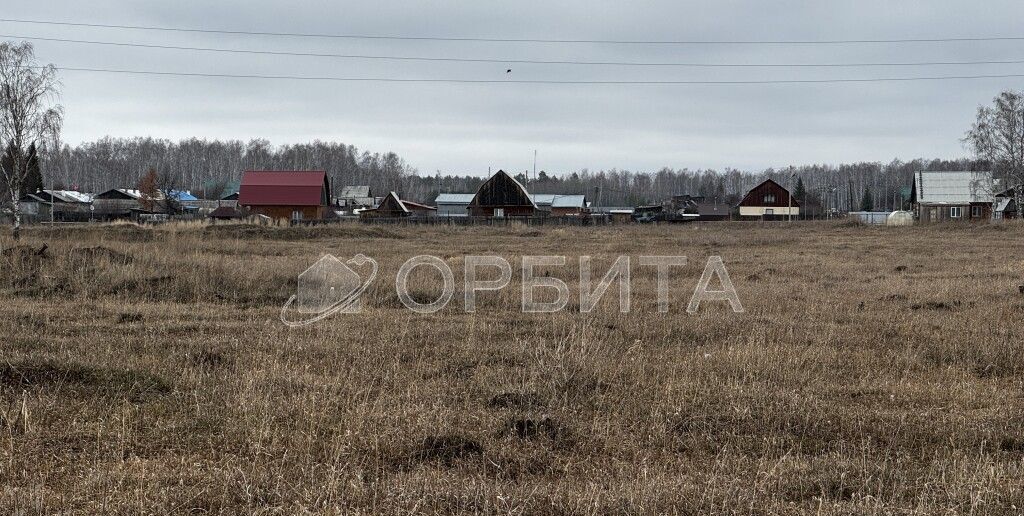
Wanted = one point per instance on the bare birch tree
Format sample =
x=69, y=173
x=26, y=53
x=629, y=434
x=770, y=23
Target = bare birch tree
x=29, y=113
x=997, y=137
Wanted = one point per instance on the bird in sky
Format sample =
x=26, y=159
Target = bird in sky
x=508, y=71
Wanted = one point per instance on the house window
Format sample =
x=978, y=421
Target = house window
x=297, y=215
x=956, y=212
x=769, y=198
x=499, y=212
x=975, y=212
x=769, y=211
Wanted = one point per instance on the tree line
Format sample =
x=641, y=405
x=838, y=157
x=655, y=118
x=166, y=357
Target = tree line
x=211, y=167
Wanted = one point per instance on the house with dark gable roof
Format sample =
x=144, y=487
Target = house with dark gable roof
x=502, y=196
x=281, y=194
x=394, y=206
x=769, y=200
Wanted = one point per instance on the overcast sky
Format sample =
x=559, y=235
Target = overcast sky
x=466, y=128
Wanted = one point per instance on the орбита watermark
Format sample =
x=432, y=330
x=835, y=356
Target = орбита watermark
x=331, y=286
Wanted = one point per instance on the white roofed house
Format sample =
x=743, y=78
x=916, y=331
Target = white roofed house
x=356, y=197
x=453, y=204
x=561, y=205
x=953, y=196
x=60, y=205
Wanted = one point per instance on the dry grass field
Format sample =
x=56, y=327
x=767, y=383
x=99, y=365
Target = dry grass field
x=875, y=370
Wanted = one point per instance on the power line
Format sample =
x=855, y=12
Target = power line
x=534, y=81
x=522, y=40
x=517, y=61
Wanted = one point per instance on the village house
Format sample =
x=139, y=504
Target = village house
x=1005, y=205
x=561, y=205
x=953, y=196
x=290, y=195
x=352, y=197
x=61, y=205
x=392, y=206
x=769, y=200
x=502, y=196
x=453, y=204
x=118, y=203
x=225, y=213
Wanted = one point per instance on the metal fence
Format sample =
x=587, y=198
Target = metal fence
x=491, y=221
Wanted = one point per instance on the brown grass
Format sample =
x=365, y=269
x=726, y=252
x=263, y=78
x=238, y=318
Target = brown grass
x=876, y=370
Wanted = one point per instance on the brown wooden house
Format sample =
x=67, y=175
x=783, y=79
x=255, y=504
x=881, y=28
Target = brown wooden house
x=291, y=195
x=118, y=203
x=953, y=196
x=768, y=200
x=502, y=196
x=392, y=206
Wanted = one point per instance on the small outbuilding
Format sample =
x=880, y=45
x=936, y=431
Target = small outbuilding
x=392, y=206
x=352, y=197
x=225, y=213
x=453, y=204
x=900, y=218
x=561, y=205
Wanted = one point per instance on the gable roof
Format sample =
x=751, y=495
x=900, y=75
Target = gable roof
x=225, y=212
x=392, y=199
x=352, y=192
x=123, y=193
x=181, y=195
x=66, y=196
x=284, y=188
x=454, y=198
x=755, y=197
x=502, y=190
x=953, y=187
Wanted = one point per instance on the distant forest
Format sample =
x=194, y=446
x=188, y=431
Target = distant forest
x=206, y=166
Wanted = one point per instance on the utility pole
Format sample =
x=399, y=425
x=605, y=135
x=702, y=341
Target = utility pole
x=534, y=164
x=792, y=174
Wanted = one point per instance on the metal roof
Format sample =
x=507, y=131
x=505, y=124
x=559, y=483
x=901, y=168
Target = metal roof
x=135, y=194
x=181, y=196
x=454, y=198
x=283, y=188
x=953, y=187
x=569, y=201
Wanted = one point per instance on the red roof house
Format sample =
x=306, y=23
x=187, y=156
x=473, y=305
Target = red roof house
x=286, y=194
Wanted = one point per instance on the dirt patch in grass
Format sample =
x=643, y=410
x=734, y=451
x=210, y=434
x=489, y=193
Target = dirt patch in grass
x=446, y=449
x=126, y=318
x=543, y=428
x=210, y=359
x=134, y=385
x=936, y=305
